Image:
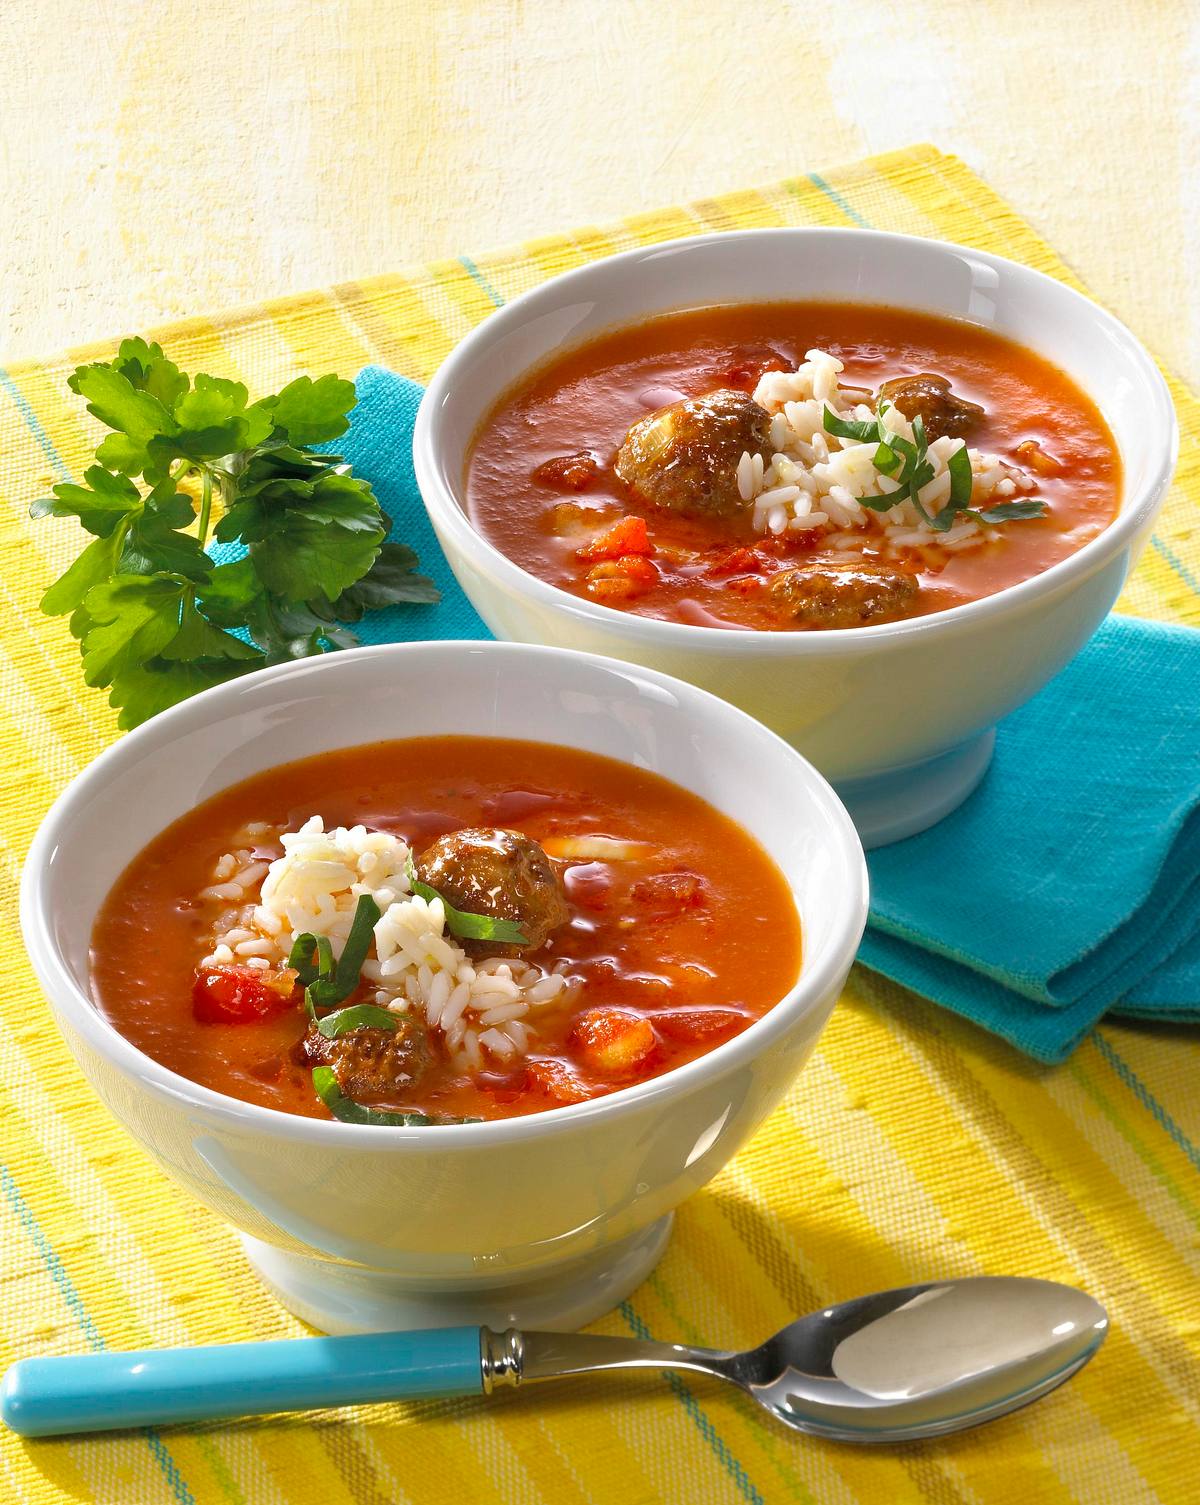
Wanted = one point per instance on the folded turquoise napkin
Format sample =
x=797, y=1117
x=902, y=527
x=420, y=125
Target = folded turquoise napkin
x=1067, y=886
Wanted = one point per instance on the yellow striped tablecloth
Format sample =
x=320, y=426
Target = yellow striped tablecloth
x=914, y=1146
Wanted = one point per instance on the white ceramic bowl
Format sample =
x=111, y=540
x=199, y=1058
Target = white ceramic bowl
x=900, y=715
x=544, y=1220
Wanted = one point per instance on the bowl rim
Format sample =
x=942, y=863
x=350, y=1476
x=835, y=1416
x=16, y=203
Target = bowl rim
x=84, y=1015
x=451, y=519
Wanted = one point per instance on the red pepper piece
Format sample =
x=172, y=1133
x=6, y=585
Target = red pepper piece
x=613, y=1041
x=556, y=1080
x=691, y=1025
x=240, y=995
x=627, y=536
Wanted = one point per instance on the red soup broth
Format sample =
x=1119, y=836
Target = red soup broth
x=584, y=401
x=700, y=954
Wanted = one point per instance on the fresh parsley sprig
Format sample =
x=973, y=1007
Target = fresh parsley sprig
x=907, y=462
x=156, y=617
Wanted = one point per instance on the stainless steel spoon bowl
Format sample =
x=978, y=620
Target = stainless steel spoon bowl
x=919, y=1361
x=916, y=1362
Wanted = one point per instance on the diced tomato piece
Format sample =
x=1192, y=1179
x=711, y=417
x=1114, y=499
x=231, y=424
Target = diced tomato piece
x=613, y=1041
x=627, y=536
x=639, y=569
x=746, y=372
x=241, y=995
x=709, y=1025
x=740, y=561
x=621, y=579
x=788, y=545
x=556, y=1080
x=568, y=472
x=664, y=895
x=588, y=884
x=745, y=585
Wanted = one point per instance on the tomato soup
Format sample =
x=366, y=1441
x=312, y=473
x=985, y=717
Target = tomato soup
x=452, y=928
x=792, y=466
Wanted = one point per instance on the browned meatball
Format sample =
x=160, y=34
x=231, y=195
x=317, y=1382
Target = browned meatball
x=836, y=595
x=487, y=870
x=372, y=1064
x=930, y=397
x=685, y=456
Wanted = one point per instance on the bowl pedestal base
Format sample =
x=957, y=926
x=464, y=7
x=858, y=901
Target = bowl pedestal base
x=887, y=807
x=337, y=1298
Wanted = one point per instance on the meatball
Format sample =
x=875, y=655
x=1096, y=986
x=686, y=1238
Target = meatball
x=487, y=870
x=837, y=595
x=372, y=1064
x=685, y=456
x=930, y=398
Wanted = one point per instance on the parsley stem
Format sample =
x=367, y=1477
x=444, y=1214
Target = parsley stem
x=206, y=481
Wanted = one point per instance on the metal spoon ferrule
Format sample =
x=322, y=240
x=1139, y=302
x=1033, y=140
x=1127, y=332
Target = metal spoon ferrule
x=501, y=1358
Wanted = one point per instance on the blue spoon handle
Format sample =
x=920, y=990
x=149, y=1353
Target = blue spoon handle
x=100, y=1392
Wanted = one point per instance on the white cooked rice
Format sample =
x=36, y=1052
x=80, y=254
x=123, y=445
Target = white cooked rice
x=481, y=1009
x=814, y=480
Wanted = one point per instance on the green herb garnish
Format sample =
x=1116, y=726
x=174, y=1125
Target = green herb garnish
x=156, y=617
x=910, y=458
x=851, y=428
x=1005, y=512
x=345, y=1109
x=361, y=1016
x=301, y=960
x=326, y=982
x=961, y=481
x=328, y=991
x=469, y=927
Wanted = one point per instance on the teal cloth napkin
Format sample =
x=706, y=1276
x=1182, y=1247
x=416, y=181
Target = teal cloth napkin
x=1066, y=887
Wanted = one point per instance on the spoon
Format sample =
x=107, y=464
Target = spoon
x=920, y=1361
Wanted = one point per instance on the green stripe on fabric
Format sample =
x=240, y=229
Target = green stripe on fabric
x=66, y=1287
x=34, y=425
x=473, y=271
x=796, y=1487
x=1177, y=564
x=220, y=1472
x=697, y=1416
x=1143, y=1151
x=835, y=197
x=1147, y=1099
